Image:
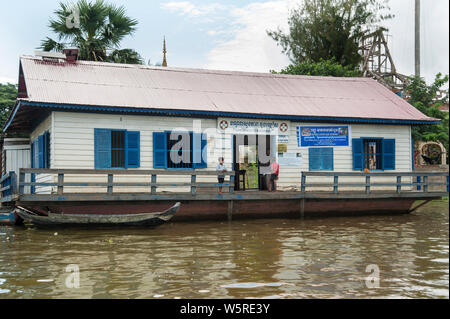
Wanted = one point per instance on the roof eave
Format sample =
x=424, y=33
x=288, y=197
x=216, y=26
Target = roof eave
x=174, y=112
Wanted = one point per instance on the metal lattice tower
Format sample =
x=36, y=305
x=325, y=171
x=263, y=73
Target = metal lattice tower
x=377, y=62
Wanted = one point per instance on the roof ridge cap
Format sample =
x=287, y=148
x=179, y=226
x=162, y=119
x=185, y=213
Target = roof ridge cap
x=209, y=71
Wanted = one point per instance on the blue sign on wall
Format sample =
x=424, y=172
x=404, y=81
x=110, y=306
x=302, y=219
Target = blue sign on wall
x=322, y=136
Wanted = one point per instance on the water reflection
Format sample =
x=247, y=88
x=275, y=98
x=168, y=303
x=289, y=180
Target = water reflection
x=271, y=258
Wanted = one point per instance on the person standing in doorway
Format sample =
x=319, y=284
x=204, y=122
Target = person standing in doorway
x=221, y=168
x=274, y=170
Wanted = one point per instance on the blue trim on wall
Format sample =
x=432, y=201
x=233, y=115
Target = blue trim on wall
x=12, y=116
x=214, y=114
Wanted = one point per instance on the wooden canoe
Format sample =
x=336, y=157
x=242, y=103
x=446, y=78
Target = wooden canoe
x=143, y=219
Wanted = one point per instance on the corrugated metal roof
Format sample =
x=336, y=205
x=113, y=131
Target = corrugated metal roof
x=138, y=86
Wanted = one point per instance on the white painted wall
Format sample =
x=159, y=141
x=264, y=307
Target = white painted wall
x=45, y=125
x=343, y=159
x=17, y=155
x=72, y=143
x=73, y=135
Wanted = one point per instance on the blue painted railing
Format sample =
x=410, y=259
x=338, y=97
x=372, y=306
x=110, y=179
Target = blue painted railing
x=422, y=182
x=8, y=184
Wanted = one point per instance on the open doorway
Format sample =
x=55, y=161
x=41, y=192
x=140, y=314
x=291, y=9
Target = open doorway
x=252, y=156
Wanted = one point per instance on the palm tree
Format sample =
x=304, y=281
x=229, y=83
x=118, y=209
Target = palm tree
x=97, y=33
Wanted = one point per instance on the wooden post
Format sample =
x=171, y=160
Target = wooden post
x=335, y=184
x=231, y=188
x=60, y=190
x=153, y=181
x=230, y=210
x=425, y=184
x=21, y=181
x=399, y=186
x=367, y=184
x=110, y=183
x=193, y=187
x=303, y=184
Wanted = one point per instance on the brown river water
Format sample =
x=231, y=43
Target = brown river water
x=265, y=258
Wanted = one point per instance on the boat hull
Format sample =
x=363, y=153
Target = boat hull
x=143, y=219
x=241, y=209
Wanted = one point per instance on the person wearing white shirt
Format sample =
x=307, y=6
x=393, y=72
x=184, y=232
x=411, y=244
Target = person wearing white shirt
x=221, y=168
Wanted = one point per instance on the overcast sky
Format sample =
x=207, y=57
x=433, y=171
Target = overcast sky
x=229, y=35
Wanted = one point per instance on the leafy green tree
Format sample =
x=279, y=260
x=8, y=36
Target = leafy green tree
x=329, y=29
x=321, y=68
x=95, y=28
x=8, y=95
x=425, y=98
x=125, y=56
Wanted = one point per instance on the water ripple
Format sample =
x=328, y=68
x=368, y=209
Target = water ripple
x=276, y=258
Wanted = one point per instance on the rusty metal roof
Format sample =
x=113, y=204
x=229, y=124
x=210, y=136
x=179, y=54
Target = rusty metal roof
x=148, y=87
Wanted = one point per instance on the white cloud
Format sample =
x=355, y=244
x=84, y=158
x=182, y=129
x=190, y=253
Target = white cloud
x=252, y=49
x=434, y=37
x=216, y=32
x=186, y=8
x=5, y=80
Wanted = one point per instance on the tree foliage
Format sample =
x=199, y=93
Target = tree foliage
x=8, y=95
x=425, y=98
x=321, y=68
x=329, y=29
x=101, y=28
x=125, y=56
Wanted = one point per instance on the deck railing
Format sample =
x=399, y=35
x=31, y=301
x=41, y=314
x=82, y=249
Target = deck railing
x=8, y=185
x=152, y=185
x=421, y=182
x=34, y=181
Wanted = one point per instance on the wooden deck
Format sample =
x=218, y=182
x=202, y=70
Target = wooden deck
x=318, y=192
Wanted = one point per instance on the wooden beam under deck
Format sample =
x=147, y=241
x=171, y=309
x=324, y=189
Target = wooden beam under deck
x=237, y=196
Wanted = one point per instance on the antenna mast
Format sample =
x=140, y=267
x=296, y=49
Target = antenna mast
x=417, y=38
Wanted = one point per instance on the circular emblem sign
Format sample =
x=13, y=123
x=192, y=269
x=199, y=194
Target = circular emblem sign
x=283, y=127
x=223, y=124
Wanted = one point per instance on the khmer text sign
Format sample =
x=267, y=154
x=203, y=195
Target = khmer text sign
x=323, y=135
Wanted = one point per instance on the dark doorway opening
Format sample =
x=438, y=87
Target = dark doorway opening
x=252, y=156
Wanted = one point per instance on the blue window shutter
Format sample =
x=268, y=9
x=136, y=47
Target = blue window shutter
x=358, y=154
x=327, y=158
x=102, y=146
x=198, y=146
x=388, y=154
x=41, y=151
x=44, y=150
x=132, y=142
x=321, y=159
x=314, y=156
x=159, y=150
x=46, y=137
x=36, y=153
x=32, y=155
x=204, y=149
x=32, y=163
